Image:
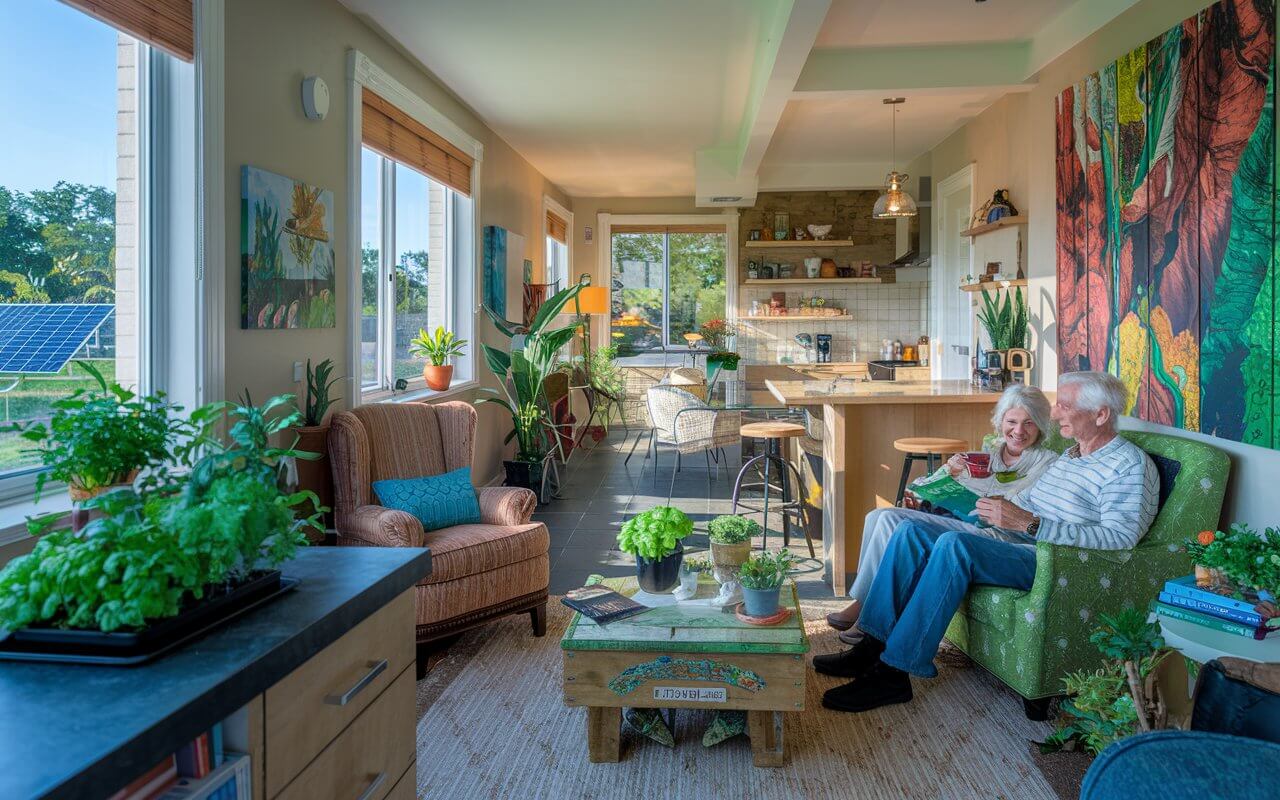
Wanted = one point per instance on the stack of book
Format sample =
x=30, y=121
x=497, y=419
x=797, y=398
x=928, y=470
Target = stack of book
x=199, y=770
x=1237, y=611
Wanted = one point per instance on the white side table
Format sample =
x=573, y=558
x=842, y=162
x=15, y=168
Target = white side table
x=1202, y=645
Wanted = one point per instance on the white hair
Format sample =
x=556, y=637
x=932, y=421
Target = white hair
x=1029, y=399
x=1096, y=391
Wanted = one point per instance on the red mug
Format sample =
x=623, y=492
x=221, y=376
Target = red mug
x=978, y=464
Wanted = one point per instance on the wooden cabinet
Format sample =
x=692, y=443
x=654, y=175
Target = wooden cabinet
x=342, y=724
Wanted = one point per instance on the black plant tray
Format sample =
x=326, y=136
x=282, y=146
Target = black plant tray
x=126, y=648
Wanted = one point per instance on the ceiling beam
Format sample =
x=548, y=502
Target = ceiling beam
x=1077, y=22
x=831, y=71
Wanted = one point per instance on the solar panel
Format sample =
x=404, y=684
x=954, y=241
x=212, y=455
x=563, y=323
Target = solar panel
x=42, y=338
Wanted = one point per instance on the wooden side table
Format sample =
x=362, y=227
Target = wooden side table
x=686, y=655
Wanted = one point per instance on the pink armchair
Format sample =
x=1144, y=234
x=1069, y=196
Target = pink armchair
x=479, y=572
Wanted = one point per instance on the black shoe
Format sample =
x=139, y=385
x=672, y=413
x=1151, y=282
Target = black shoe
x=882, y=685
x=852, y=662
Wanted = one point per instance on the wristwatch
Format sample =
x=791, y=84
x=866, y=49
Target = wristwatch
x=1033, y=527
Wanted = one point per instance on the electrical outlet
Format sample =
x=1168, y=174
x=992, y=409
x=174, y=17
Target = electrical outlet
x=297, y=372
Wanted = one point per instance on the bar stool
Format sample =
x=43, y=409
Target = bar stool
x=774, y=433
x=926, y=449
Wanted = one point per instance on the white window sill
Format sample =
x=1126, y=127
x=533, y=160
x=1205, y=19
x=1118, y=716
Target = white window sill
x=414, y=395
x=13, y=515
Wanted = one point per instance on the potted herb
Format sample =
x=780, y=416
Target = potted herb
x=716, y=333
x=313, y=434
x=730, y=537
x=192, y=536
x=522, y=375
x=100, y=439
x=653, y=537
x=1239, y=559
x=437, y=348
x=762, y=577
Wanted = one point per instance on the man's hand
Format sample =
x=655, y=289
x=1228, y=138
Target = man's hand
x=956, y=465
x=1001, y=513
x=911, y=500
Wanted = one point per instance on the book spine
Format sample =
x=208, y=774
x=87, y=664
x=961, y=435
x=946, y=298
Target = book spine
x=1213, y=598
x=1246, y=617
x=1208, y=621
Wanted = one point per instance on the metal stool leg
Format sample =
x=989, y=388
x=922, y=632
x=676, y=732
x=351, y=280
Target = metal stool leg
x=804, y=508
x=737, y=482
x=764, y=534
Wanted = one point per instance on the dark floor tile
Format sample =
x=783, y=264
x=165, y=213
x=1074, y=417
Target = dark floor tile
x=602, y=521
x=594, y=538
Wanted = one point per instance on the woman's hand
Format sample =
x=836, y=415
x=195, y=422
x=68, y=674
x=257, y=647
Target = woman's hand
x=956, y=466
x=911, y=500
x=1002, y=514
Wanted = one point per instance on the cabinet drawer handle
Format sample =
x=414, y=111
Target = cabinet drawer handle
x=374, y=785
x=375, y=669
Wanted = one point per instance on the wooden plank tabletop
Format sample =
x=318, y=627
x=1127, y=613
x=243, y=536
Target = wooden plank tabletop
x=692, y=626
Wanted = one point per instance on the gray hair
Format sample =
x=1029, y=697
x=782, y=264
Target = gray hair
x=1096, y=391
x=1029, y=399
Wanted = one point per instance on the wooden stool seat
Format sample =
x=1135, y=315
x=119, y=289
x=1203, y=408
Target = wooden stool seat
x=930, y=444
x=771, y=430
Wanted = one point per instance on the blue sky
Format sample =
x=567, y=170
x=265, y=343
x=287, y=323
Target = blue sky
x=59, y=96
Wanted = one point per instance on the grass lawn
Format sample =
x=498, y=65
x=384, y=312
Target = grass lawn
x=32, y=399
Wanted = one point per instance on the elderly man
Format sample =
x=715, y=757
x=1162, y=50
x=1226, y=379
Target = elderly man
x=1100, y=494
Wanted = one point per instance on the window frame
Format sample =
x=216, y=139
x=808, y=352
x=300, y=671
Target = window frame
x=605, y=223
x=549, y=205
x=462, y=239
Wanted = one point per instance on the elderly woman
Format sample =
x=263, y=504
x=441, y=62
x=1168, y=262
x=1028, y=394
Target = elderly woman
x=1018, y=458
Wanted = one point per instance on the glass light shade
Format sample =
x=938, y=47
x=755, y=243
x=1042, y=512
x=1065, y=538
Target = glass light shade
x=895, y=201
x=593, y=300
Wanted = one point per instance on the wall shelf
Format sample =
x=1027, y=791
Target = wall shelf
x=792, y=243
x=988, y=285
x=807, y=281
x=1004, y=222
x=797, y=318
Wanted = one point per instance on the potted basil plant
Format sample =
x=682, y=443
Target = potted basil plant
x=437, y=348
x=762, y=577
x=654, y=538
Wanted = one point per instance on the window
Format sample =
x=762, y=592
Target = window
x=557, y=228
x=667, y=282
x=97, y=210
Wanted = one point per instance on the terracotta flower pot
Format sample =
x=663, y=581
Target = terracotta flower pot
x=314, y=475
x=1207, y=577
x=728, y=558
x=438, y=378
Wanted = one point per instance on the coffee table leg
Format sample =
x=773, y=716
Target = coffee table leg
x=768, y=746
x=604, y=734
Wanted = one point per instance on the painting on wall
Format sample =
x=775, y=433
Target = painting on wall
x=503, y=255
x=286, y=253
x=1166, y=255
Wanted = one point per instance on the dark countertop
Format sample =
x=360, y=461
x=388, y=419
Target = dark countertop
x=86, y=731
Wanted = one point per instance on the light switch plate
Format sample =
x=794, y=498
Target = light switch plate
x=297, y=372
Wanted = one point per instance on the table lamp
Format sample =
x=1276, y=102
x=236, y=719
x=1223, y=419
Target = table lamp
x=591, y=301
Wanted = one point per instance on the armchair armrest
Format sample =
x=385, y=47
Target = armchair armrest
x=506, y=505
x=383, y=527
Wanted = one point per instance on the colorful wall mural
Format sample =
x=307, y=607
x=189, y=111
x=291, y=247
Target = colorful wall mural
x=1166, y=224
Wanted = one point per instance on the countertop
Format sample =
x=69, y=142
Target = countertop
x=857, y=392
x=85, y=731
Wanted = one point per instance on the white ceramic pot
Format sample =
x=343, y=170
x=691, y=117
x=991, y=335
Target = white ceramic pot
x=813, y=267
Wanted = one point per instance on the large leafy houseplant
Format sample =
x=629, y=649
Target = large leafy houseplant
x=522, y=374
x=189, y=533
x=1004, y=317
x=1119, y=699
x=97, y=438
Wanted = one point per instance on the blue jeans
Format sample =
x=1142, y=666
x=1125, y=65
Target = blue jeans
x=924, y=575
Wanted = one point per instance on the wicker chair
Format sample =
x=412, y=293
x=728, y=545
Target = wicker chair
x=688, y=424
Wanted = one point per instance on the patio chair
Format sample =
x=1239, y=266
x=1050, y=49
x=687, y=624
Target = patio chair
x=685, y=421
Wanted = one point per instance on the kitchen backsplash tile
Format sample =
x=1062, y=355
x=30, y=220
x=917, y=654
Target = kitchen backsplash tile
x=885, y=311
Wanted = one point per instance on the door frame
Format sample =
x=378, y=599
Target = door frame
x=941, y=279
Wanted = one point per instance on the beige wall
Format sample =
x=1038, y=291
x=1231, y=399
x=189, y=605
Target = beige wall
x=1013, y=145
x=586, y=209
x=270, y=48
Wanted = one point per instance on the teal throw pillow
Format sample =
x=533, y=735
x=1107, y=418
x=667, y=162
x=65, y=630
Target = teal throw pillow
x=438, y=501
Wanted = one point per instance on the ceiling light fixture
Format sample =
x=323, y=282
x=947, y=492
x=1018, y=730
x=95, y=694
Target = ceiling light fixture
x=895, y=201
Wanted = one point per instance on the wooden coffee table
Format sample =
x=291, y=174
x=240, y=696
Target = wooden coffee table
x=686, y=655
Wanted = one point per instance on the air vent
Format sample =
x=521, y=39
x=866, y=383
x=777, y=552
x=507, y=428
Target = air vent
x=724, y=198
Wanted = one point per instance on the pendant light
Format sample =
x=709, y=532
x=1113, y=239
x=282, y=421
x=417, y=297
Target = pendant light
x=895, y=201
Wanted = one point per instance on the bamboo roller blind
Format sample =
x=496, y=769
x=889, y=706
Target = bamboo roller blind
x=712, y=228
x=402, y=138
x=557, y=228
x=165, y=24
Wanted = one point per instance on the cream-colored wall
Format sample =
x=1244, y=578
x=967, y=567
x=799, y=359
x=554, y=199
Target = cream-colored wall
x=1013, y=144
x=586, y=209
x=271, y=47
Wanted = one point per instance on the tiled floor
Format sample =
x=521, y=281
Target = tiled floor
x=600, y=492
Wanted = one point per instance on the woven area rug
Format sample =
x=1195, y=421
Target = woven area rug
x=492, y=724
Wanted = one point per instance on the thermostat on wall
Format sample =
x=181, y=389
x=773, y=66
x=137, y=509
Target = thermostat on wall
x=315, y=97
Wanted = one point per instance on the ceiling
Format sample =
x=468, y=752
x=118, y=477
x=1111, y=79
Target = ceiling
x=724, y=98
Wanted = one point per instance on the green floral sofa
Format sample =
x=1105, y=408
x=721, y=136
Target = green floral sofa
x=1032, y=639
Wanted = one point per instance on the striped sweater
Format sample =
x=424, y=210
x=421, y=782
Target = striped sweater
x=1103, y=501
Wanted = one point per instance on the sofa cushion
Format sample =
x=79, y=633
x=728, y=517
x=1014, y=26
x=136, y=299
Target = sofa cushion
x=1168, y=469
x=463, y=550
x=992, y=606
x=438, y=501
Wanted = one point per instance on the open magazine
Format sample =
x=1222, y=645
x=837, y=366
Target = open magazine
x=945, y=493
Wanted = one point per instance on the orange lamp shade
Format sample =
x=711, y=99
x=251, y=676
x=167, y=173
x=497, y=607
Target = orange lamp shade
x=593, y=300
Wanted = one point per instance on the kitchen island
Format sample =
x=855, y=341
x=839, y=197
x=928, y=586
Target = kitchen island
x=861, y=469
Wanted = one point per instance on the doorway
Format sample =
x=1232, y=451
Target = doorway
x=952, y=335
